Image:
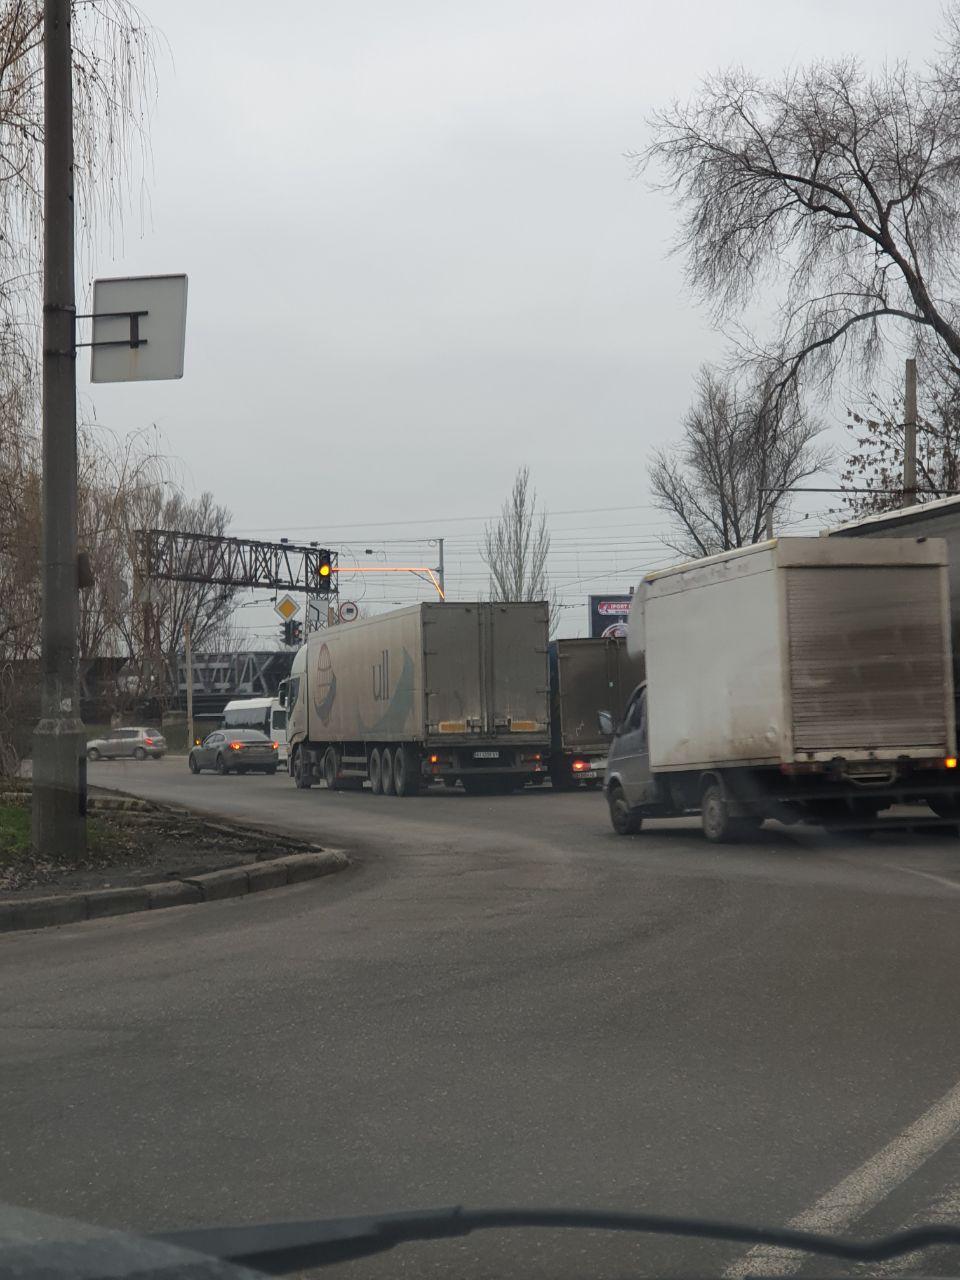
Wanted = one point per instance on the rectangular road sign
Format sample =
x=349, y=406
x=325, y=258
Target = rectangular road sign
x=158, y=306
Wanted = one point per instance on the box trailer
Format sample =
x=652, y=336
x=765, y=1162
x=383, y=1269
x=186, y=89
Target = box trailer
x=448, y=692
x=586, y=675
x=801, y=678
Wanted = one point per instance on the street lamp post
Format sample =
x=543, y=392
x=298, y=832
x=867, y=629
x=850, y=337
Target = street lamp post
x=59, y=763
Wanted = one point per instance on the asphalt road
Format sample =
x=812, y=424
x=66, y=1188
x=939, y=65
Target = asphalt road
x=501, y=1003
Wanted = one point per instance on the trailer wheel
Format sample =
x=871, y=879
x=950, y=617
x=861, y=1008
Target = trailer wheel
x=375, y=770
x=301, y=775
x=386, y=771
x=718, y=825
x=624, y=820
x=406, y=771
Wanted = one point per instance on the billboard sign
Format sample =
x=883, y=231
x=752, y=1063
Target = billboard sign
x=608, y=615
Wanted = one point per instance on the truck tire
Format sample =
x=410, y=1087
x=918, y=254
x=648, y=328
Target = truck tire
x=719, y=826
x=331, y=768
x=386, y=771
x=406, y=770
x=301, y=776
x=375, y=770
x=624, y=820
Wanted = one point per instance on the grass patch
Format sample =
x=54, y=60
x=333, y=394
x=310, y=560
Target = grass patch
x=14, y=832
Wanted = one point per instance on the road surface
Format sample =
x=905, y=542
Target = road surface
x=501, y=1003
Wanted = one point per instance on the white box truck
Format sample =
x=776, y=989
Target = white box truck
x=799, y=679
x=434, y=692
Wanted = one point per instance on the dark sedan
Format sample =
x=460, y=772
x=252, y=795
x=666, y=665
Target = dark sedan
x=235, y=751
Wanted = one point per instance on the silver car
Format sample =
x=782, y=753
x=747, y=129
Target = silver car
x=235, y=751
x=137, y=743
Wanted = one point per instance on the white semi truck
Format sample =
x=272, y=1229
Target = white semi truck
x=434, y=692
x=799, y=679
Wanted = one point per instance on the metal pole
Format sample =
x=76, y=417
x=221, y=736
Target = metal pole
x=188, y=654
x=443, y=585
x=910, y=436
x=59, y=756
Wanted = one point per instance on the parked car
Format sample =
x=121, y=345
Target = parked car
x=235, y=751
x=119, y=743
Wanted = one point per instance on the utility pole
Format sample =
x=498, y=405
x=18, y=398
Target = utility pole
x=188, y=654
x=910, y=436
x=768, y=522
x=59, y=756
x=443, y=585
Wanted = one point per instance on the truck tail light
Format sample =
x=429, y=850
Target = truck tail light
x=434, y=759
x=580, y=766
x=802, y=766
x=275, y=745
x=950, y=762
x=530, y=757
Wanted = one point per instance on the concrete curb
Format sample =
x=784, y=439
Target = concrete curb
x=96, y=804
x=232, y=882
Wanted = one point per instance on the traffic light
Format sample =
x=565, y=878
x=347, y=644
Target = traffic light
x=324, y=571
x=296, y=633
x=287, y=630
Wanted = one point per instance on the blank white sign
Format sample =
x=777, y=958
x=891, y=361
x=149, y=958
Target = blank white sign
x=164, y=299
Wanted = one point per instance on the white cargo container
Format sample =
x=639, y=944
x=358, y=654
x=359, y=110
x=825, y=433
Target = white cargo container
x=800, y=677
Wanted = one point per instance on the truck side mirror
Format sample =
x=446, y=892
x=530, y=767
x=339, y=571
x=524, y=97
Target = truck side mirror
x=605, y=722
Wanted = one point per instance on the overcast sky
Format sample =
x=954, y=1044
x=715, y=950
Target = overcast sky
x=417, y=260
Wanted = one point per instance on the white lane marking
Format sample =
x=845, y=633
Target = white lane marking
x=927, y=875
x=861, y=1190
x=944, y=1209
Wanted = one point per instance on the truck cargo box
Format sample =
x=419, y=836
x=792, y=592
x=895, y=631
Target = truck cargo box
x=431, y=672
x=588, y=676
x=799, y=649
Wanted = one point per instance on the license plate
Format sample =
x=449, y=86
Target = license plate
x=486, y=755
x=590, y=773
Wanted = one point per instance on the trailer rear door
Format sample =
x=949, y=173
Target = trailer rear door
x=868, y=658
x=516, y=673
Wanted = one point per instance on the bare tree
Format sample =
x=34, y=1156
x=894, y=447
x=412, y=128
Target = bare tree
x=875, y=460
x=741, y=453
x=515, y=549
x=841, y=185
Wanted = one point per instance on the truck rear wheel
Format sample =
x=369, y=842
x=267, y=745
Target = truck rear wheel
x=302, y=775
x=624, y=820
x=719, y=826
x=386, y=771
x=406, y=771
x=375, y=770
x=331, y=768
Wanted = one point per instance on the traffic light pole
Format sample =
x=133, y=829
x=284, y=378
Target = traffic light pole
x=59, y=763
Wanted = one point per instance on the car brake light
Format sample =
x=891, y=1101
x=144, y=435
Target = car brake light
x=580, y=765
x=950, y=762
x=148, y=742
x=235, y=746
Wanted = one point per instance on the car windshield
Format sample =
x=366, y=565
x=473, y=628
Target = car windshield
x=480, y=625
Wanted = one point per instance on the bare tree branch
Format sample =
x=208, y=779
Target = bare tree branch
x=740, y=453
x=839, y=185
x=516, y=548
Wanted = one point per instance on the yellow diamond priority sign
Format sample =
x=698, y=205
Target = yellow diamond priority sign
x=286, y=606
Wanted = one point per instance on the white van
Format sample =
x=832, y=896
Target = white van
x=265, y=714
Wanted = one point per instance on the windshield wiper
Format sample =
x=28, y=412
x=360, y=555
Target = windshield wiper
x=281, y=1247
